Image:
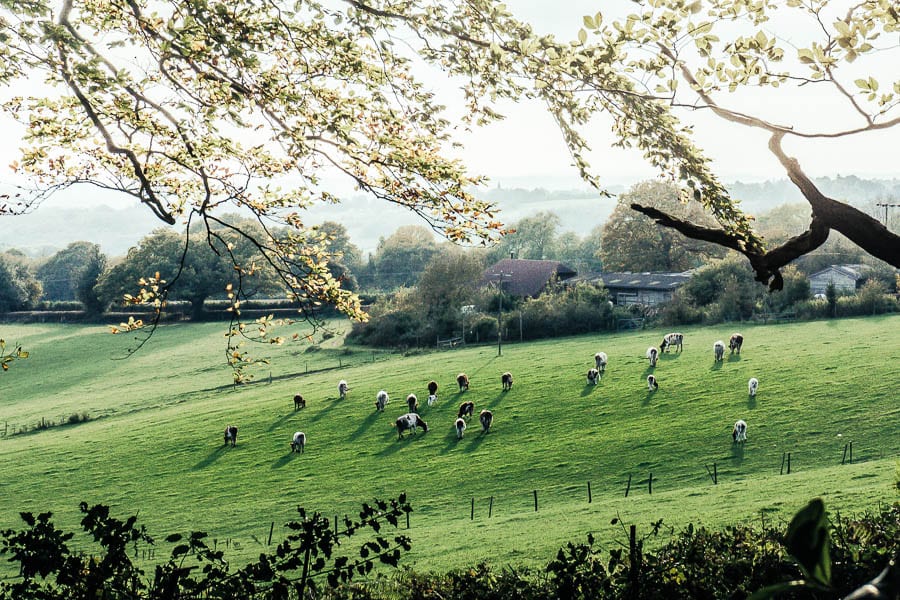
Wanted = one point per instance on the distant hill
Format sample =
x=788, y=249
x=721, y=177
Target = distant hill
x=53, y=226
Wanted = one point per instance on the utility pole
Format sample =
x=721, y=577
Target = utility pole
x=886, y=206
x=500, y=277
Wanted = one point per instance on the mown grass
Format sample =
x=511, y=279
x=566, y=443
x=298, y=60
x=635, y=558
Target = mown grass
x=154, y=445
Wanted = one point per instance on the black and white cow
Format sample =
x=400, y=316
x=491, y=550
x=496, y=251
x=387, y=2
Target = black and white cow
x=231, y=435
x=410, y=421
x=653, y=355
x=600, y=361
x=739, y=433
x=463, y=380
x=460, y=428
x=672, y=339
x=506, y=381
x=735, y=342
x=593, y=376
x=487, y=418
x=719, y=350
x=413, y=403
x=752, y=385
x=381, y=400
x=652, y=384
x=343, y=388
x=299, y=402
x=466, y=409
x=298, y=442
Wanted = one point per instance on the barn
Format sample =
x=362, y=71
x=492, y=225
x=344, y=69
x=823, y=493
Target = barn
x=846, y=278
x=638, y=288
x=525, y=278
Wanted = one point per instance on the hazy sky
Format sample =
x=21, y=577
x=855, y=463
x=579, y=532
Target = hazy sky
x=526, y=149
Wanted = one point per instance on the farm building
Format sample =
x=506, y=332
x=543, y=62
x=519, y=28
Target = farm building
x=525, y=278
x=638, y=288
x=846, y=278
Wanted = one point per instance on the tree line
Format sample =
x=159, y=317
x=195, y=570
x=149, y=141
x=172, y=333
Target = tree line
x=416, y=287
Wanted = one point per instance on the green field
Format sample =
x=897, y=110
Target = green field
x=154, y=444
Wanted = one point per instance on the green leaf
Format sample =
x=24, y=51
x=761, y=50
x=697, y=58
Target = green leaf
x=808, y=541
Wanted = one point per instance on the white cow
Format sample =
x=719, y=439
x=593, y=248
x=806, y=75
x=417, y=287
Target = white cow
x=719, y=350
x=460, y=428
x=752, y=385
x=343, y=388
x=600, y=361
x=381, y=399
x=652, y=384
x=739, y=433
x=593, y=376
x=298, y=442
x=653, y=355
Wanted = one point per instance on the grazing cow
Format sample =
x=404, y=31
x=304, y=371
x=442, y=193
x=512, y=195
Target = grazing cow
x=463, y=380
x=593, y=376
x=381, y=399
x=600, y=361
x=410, y=421
x=432, y=398
x=653, y=355
x=432, y=388
x=460, y=428
x=231, y=435
x=739, y=433
x=652, y=384
x=343, y=388
x=299, y=402
x=719, y=350
x=752, y=385
x=672, y=339
x=487, y=418
x=506, y=380
x=466, y=409
x=413, y=403
x=298, y=442
x=735, y=342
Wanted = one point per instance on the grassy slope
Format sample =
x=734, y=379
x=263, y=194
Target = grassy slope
x=158, y=450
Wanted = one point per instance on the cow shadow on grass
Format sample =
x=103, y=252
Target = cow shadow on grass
x=717, y=365
x=332, y=402
x=667, y=356
x=496, y=400
x=393, y=445
x=365, y=425
x=734, y=358
x=277, y=423
x=751, y=402
x=647, y=396
x=211, y=458
x=587, y=389
x=284, y=460
x=470, y=442
x=737, y=453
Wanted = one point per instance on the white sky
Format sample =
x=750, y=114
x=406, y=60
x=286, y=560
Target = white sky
x=526, y=149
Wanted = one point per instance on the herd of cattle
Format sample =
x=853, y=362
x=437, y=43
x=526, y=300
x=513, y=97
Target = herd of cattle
x=412, y=421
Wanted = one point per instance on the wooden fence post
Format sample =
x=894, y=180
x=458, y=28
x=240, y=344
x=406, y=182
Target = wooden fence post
x=628, y=487
x=789, y=463
x=271, y=530
x=851, y=451
x=715, y=474
x=589, y=492
x=650, y=484
x=407, y=520
x=844, y=457
x=491, y=507
x=535, y=501
x=472, y=514
x=783, y=456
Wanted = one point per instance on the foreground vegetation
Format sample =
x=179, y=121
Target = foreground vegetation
x=153, y=445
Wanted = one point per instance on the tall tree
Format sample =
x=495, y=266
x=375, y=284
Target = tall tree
x=402, y=256
x=631, y=241
x=61, y=274
x=533, y=237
